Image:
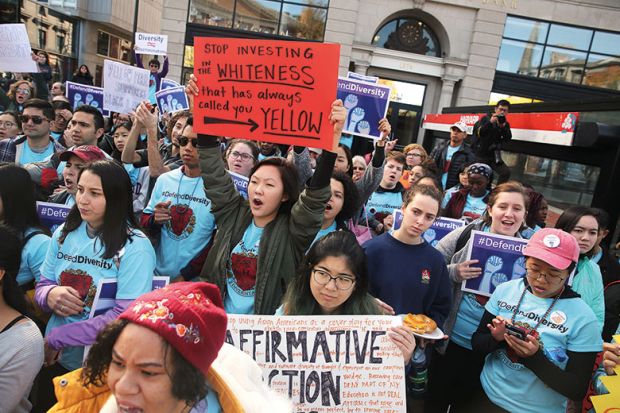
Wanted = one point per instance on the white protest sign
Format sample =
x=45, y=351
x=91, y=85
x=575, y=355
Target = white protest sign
x=15, y=51
x=124, y=86
x=326, y=363
x=156, y=44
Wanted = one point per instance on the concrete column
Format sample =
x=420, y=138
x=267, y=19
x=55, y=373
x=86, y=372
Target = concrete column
x=174, y=23
x=445, y=97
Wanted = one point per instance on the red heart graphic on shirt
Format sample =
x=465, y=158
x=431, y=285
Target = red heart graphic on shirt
x=244, y=267
x=77, y=279
x=180, y=215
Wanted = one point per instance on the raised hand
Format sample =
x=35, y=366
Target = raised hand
x=493, y=265
x=337, y=118
x=356, y=115
x=518, y=269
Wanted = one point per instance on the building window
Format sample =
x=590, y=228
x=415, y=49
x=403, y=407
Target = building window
x=408, y=35
x=42, y=38
x=112, y=46
x=560, y=52
x=302, y=19
x=60, y=42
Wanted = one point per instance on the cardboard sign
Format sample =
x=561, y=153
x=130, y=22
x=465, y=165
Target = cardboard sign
x=500, y=258
x=440, y=228
x=172, y=100
x=79, y=94
x=167, y=84
x=556, y=128
x=325, y=363
x=269, y=90
x=366, y=104
x=241, y=183
x=363, y=78
x=15, y=51
x=155, y=44
x=52, y=215
x=124, y=86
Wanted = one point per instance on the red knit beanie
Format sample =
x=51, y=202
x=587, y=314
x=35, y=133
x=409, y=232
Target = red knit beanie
x=188, y=315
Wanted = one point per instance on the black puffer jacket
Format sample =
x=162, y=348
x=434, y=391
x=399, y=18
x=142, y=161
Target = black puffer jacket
x=461, y=157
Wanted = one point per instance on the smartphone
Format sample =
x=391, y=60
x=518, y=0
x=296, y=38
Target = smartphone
x=517, y=332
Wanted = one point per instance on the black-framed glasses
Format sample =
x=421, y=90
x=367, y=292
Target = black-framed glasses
x=184, y=140
x=550, y=278
x=243, y=156
x=37, y=120
x=417, y=155
x=323, y=277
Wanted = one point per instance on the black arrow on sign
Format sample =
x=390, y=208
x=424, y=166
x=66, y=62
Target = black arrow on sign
x=233, y=122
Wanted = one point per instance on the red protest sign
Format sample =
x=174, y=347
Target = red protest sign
x=269, y=90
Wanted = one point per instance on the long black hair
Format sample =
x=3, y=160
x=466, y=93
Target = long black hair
x=299, y=300
x=119, y=220
x=10, y=260
x=17, y=192
x=352, y=200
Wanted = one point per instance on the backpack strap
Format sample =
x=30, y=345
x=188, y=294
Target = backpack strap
x=32, y=234
x=464, y=237
x=13, y=322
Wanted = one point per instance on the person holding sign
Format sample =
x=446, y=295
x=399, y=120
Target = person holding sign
x=20, y=339
x=260, y=242
x=166, y=353
x=540, y=337
x=100, y=239
x=505, y=215
x=155, y=75
x=338, y=257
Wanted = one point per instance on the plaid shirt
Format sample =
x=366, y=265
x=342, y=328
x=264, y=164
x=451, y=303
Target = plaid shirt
x=8, y=148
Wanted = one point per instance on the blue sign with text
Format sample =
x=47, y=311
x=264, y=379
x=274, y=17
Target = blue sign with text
x=366, y=105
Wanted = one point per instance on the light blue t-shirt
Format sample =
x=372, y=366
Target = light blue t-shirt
x=571, y=326
x=152, y=88
x=324, y=232
x=78, y=263
x=191, y=224
x=30, y=156
x=70, y=201
x=449, y=153
x=242, y=268
x=33, y=255
x=382, y=204
x=448, y=194
x=475, y=206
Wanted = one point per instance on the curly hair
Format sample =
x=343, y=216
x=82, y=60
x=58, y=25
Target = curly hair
x=188, y=383
x=13, y=88
x=352, y=199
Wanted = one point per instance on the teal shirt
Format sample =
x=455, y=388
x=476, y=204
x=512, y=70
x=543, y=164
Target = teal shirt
x=242, y=267
x=588, y=283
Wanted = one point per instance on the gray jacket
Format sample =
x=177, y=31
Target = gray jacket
x=447, y=248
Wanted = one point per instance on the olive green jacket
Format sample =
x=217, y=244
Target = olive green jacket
x=283, y=242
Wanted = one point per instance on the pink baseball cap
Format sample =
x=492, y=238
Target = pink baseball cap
x=87, y=153
x=553, y=246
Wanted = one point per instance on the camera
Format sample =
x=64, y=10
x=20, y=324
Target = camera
x=501, y=118
x=517, y=332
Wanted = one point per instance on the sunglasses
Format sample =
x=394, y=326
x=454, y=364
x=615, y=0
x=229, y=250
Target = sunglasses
x=184, y=140
x=23, y=91
x=37, y=120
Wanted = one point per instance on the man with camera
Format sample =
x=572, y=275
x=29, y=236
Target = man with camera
x=489, y=133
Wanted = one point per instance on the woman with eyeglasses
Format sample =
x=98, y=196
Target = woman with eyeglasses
x=539, y=338
x=415, y=154
x=359, y=167
x=581, y=222
x=18, y=94
x=241, y=156
x=505, y=215
x=339, y=258
x=10, y=126
x=260, y=241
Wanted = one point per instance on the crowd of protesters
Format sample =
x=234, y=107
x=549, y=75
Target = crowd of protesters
x=149, y=196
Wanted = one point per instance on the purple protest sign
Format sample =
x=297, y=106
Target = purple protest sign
x=440, y=228
x=500, y=258
x=106, y=293
x=366, y=104
x=52, y=215
x=241, y=183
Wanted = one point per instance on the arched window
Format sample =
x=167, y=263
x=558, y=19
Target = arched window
x=408, y=35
